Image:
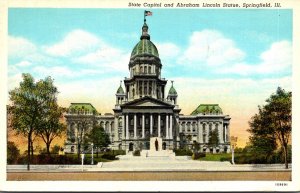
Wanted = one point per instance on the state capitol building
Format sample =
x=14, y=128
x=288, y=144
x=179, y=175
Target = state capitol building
x=143, y=110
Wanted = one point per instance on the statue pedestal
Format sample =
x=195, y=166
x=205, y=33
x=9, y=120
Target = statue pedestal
x=152, y=143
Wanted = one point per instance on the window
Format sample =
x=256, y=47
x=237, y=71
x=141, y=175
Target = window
x=131, y=121
x=149, y=69
x=120, y=122
x=141, y=69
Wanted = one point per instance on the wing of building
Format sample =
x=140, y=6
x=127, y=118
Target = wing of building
x=142, y=111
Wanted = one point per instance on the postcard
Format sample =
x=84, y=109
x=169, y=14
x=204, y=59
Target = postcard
x=138, y=95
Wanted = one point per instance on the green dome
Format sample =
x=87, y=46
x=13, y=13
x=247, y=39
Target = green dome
x=144, y=46
x=172, y=91
x=120, y=90
x=207, y=109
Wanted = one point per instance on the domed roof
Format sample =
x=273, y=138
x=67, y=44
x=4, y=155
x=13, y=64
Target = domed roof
x=208, y=109
x=172, y=91
x=120, y=89
x=144, y=46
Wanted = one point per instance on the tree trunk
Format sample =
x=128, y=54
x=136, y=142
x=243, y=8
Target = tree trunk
x=48, y=148
x=285, y=151
x=78, y=152
x=97, y=152
x=28, y=151
x=31, y=148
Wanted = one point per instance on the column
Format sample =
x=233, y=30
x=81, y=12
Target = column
x=151, y=124
x=180, y=127
x=143, y=126
x=123, y=127
x=134, y=126
x=116, y=129
x=171, y=126
x=158, y=125
x=127, y=127
x=167, y=126
x=109, y=128
x=221, y=133
x=200, y=134
x=225, y=133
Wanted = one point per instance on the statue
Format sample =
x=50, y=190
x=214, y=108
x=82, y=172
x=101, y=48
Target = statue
x=156, y=144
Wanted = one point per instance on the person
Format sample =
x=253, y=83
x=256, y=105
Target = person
x=156, y=144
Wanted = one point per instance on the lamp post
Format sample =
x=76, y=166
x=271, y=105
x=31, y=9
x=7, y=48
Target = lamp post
x=92, y=153
x=233, y=144
x=82, y=160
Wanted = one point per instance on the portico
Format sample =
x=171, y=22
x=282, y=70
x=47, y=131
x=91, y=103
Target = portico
x=145, y=125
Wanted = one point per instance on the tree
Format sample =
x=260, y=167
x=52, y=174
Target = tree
x=99, y=137
x=50, y=126
x=12, y=152
x=196, y=146
x=213, y=139
x=262, y=139
x=28, y=103
x=81, y=138
x=273, y=123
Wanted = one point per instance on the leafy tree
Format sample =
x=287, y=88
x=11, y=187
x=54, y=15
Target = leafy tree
x=262, y=139
x=81, y=138
x=50, y=126
x=213, y=139
x=272, y=124
x=55, y=149
x=99, y=138
x=196, y=146
x=28, y=102
x=12, y=152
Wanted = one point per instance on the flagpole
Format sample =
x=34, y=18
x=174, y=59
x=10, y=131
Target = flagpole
x=145, y=16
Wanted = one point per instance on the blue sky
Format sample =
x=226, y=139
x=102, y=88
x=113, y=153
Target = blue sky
x=214, y=55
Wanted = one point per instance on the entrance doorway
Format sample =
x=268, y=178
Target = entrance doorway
x=130, y=146
x=164, y=146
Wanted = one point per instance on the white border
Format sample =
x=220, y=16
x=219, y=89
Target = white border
x=143, y=185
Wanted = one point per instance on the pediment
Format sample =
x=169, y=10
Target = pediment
x=147, y=102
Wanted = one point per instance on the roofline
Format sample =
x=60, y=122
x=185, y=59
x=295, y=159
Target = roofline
x=86, y=104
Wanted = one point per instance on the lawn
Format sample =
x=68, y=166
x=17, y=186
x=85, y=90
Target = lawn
x=216, y=157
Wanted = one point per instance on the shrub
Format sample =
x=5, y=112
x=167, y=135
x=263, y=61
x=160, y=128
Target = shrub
x=55, y=149
x=119, y=152
x=183, y=152
x=13, y=153
x=108, y=156
x=137, y=153
x=197, y=155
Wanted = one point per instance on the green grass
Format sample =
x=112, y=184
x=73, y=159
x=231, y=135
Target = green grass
x=216, y=157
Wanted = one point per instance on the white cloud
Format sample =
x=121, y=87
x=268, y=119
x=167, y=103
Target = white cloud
x=75, y=42
x=277, y=58
x=106, y=57
x=19, y=47
x=168, y=50
x=210, y=47
x=56, y=71
x=24, y=63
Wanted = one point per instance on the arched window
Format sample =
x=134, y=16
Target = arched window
x=133, y=93
x=149, y=69
x=141, y=69
x=120, y=122
x=145, y=69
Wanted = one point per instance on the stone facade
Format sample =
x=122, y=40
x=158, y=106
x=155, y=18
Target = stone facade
x=143, y=111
